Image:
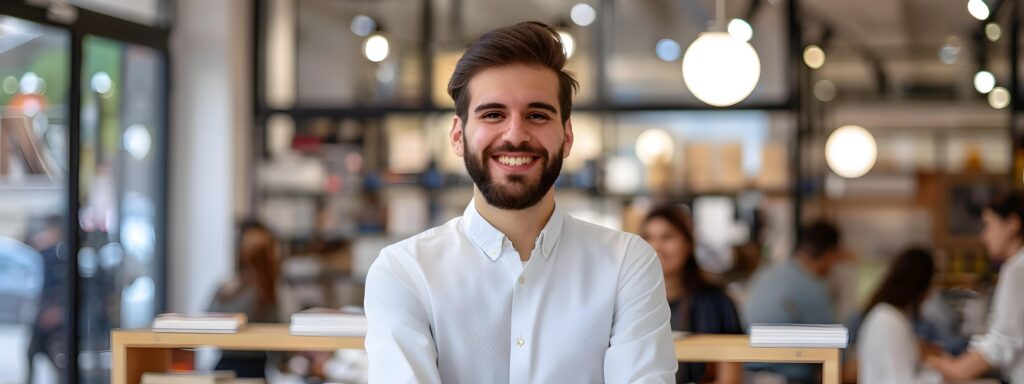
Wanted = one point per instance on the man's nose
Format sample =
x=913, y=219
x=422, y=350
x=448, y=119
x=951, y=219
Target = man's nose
x=516, y=132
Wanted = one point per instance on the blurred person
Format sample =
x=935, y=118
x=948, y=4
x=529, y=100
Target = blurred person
x=1003, y=346
x=252, y=291
x=795, y=292
x=515, y=290
x=697, y=304
x=46, y=234
x=888, y=351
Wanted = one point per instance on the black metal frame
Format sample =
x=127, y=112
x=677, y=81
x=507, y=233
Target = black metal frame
x=1016, y=132
x=97, y=24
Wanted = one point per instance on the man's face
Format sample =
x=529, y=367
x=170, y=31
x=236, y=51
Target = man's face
x=513, y=141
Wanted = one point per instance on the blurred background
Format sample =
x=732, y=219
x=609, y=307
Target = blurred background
x=135, y=135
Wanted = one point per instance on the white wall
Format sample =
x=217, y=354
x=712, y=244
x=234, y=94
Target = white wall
x=210, y=120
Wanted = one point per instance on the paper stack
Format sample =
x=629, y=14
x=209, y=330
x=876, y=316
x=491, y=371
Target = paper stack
x=200, y=323
x=215, y=377
x=799, y=335
x=328, y=322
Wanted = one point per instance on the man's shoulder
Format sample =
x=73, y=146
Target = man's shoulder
x=436, y=236
x=596, y=232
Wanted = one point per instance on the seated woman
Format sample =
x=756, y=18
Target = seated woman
x=888, y=351
x=1003, y=346
x=697, y=305
x=253, y=291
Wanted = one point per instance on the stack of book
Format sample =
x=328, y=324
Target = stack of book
x=200, y=323
x=215, y=377
x=327, y=322
x=799, y=335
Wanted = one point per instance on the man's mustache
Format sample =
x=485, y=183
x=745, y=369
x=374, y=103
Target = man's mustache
x=523, y=148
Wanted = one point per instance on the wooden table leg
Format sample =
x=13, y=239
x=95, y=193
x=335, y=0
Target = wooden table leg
x=131, y=363
x=830, y=369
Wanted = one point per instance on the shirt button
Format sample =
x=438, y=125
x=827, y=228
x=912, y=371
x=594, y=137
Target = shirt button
x=522, y=279
x=520, y=342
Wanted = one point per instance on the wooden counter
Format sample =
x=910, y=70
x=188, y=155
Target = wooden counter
x=142, y=350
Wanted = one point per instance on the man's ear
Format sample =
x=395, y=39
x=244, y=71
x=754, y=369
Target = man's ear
x=456, y=135
x=567, y=146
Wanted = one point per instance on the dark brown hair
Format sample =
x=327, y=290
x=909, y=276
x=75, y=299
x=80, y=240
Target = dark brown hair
x=817, y=239
x=679, y=219
x=258, y=266
x=527, y=43
x=906, y=284
x=1007, y=204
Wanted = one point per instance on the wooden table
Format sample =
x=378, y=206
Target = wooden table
x=736, y=348
x=142, y=350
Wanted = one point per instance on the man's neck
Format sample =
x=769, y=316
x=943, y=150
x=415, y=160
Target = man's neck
x=812, y=266
x=520, y=226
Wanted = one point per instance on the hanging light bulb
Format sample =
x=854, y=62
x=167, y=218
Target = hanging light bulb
x=741, y=29
x=654, y=146
x=984, y=81
x=814, y=56
x=362, y=25
x=583, y=14
x=993, y=32
x=978, y=9
x=376, y=48
x=667, y=50
x=851, y=151
x=999, y=98
x=719, y=69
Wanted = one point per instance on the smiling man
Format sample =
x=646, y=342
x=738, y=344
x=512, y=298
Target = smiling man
x=516, y=291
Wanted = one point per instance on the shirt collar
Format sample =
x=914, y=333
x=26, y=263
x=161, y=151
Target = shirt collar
x=489, y=239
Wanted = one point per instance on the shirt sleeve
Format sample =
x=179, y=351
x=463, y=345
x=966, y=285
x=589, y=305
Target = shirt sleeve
x=1004, y=342
x=399, y=343
x=641, y=347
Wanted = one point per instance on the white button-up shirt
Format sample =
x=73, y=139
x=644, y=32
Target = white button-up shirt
x=1003, y=345
x=887, y=349
x=455, y=304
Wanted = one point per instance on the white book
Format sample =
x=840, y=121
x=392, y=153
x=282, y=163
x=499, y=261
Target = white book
x=193, y=377
x=200, y=322
x=799, y=335
x=327, y=322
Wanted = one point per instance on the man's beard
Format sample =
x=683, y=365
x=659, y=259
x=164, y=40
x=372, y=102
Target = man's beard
x=516, y=193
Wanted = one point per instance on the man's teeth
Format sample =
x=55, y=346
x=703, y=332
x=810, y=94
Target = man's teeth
x=514, y=161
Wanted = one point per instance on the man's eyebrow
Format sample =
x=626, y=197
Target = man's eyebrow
x=544, y=106
x=482, y=107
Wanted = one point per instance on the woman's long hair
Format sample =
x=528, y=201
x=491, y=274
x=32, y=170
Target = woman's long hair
x=258, y=265
x=906, y=284
x=678, y=218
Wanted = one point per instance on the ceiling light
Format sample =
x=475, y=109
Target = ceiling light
x=583, y=14
x=654, y=146
x=814, y=56
x=851, y=151
x=376, y=48
x=999, y=98
x=978, y=9
x=740, y=30
x=984, y=81
x=668, y=50
x=993, y=32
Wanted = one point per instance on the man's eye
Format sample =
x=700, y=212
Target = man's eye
x=491, y=115
x=539, y=116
